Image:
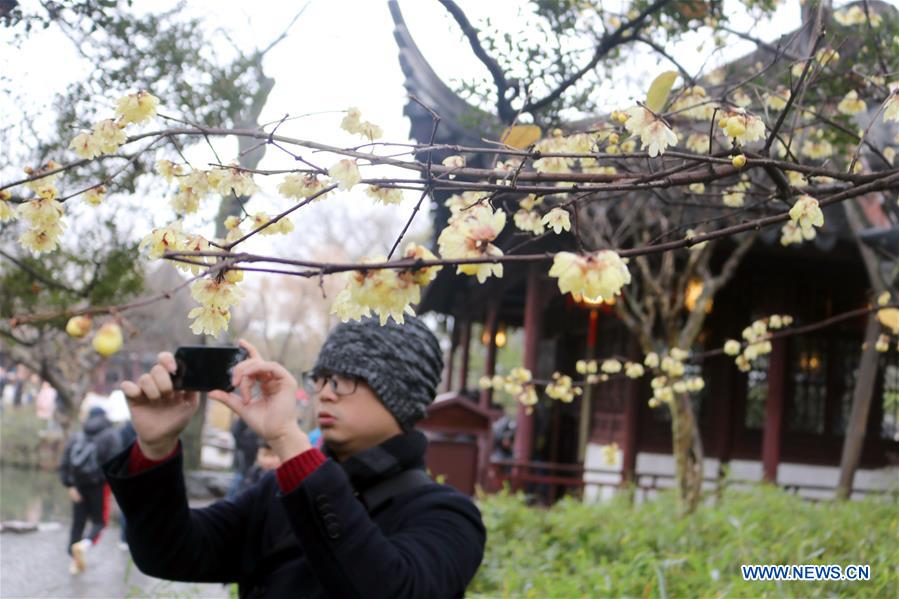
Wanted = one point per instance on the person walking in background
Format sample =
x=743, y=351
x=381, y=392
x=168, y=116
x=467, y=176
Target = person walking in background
x=266, y=460
x=127, y=436
x=246, y=442
x=81, y=472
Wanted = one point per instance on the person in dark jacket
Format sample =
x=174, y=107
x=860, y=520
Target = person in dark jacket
x=81, y=472
x=362, y=519
x=246, y=444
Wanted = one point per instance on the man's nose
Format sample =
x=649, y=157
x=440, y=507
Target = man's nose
x=327, y=393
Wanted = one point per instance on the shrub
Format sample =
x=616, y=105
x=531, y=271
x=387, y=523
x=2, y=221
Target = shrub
x=614, y=549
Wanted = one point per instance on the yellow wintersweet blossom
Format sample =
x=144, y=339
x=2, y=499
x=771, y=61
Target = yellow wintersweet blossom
x=883, y=343
x=633, y=370
x=558, y=220
x=195, y=182
x=390, y=293
x=94, y=195
x=459, y=202
x=168, y=169
x=170, y=238
x=883, y=299
x=826, y=56
x=651, y=360
x=597, y=276
x=353, y=123
x=792, y=233
x=85, y=146
x=695, y=384
x=735, y=196
x=778, y=99
x=454, y=161
x=185, y=201
x=385, y=195
x=45, y=225
x=742, y=126
x=137, y=107
x=817, y=149
x=345, y=173
x=41, y=212
x=654, y=133
x=232, y=222
x=610, y=454
x=299, y=187
x=891, y=105
x=108, y=136
x=689, y=235
x=232, y=180
x=528, y=220
x=41, y=240
x=611, y=366
x=281, y=227
x=421, y=276
x=555, y=144
x=678, y=353
x=562, y=388
x=209, y=319
x=469, y=235
x=697, y=187
x=6, y=211
x=352, y=120
x=851, y=104
x=214, y=292
x=39, y=186
x=694, y=104
x=586, y=367
x=732, y=347
x=806, y=213
x=741, y=99
x=697, y=142
x=855, y=15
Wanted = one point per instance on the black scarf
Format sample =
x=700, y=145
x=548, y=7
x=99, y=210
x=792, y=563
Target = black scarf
x=402, y=452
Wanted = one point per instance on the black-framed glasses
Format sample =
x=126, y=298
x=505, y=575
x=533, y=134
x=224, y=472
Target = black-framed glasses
x=340, y=384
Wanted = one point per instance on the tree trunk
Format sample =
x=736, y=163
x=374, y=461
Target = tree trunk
x=861, y=406
x=687, y=447
x=863, y=393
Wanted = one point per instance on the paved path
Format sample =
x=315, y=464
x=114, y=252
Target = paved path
x=36, y=565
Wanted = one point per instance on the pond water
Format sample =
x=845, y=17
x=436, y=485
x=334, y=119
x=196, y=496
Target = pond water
x=32, y=496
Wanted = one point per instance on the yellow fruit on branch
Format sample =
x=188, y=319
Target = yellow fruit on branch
x=108, y=339
x=78, y=326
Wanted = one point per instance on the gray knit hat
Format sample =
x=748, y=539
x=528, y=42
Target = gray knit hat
x=402, y=363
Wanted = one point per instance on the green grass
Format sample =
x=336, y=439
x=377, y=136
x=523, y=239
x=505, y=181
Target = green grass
x=616, y=550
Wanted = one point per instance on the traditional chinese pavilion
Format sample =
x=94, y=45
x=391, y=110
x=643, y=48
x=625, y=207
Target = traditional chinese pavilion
x=783, y=421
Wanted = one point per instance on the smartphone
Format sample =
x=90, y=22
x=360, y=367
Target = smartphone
x=204, y=367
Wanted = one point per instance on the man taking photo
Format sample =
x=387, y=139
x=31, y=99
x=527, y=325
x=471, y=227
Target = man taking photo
x=360, y=520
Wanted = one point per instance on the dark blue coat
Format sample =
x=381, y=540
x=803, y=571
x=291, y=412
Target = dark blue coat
x=316, y=541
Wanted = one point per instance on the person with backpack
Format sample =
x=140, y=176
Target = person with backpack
x=82, y=473
x=360, y=519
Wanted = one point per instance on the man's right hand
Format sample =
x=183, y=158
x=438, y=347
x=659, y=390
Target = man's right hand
x=74, y=495
x=158, y=412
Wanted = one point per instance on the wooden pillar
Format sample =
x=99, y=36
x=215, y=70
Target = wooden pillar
x=490, y=327
x=524, y=434
x=631, y=430
x=774, y=410
x=450, y=362
x=724, y=412
x=465, y=342
x=586, y=414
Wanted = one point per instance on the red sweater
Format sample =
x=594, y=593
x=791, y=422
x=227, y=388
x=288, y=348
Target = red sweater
x=290, y=474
